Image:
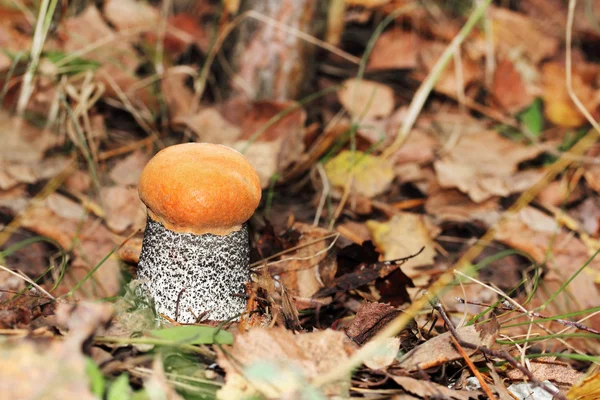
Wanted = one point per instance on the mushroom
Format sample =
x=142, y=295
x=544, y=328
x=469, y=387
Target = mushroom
x=195, y=253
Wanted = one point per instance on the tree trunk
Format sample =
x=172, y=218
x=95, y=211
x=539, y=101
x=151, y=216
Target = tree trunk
x=274, y=63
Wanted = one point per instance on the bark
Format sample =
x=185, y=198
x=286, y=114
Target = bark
x=270, y=63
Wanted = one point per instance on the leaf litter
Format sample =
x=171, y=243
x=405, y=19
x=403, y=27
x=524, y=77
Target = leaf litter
x=346, y=238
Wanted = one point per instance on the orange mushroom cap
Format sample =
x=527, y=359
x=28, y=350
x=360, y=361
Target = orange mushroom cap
x=200, y=188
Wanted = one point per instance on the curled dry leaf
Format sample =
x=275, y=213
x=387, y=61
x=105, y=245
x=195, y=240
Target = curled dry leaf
x=287, y=362
x=367, y=175
x=402, y=236
x=366, y=99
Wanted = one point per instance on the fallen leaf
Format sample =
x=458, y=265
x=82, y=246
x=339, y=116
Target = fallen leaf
x=123, y=207
x=440, y=349
x=131, y=14
x=448, y=82
x=278, y=146
x=559, y=373
x=369, y=320
x=209, y=125
x=127, y=171
x=57, y=369
x=485, y=164
x=386, y=354
x=558, y=106
x=395, y=49
x=117, y=57
x=540, y=236
x=67, y=223
x=452, y=205
x=179, y=98
x=510, y=88
x=402, y=236
x=426, y=389
x=371, y=175
x=300, y=270
x=368, y=3
x=23, y=142
x=366, y=99
x=275, y=361
x=516, y=32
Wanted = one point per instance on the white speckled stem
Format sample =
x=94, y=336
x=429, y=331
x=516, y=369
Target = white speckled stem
x=205, y=272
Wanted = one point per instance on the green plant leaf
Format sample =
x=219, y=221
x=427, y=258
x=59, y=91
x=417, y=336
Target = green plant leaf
x=119, y=389
x=194, y=334
x=97, y=382
x=532, y=118
x=74, y=66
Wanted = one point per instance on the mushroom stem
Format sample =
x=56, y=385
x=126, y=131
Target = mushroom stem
x=191, y=275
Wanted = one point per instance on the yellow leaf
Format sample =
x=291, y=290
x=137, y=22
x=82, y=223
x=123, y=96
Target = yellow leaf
x=371, y=175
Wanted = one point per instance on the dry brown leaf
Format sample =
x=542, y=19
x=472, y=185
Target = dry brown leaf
x=366, y=99
x=395, y=49
x=209, y=126
x=67, y=223
x=123, y=207
x=56, y=370
x=293, y=357
x=485, y=164
x=448, y=82
x=539, y=235
x=127, y=171
x=116, y=56
x=419, y=147
x=368, y=3
x=131, y=14
x=510, y=88
x=405, y=234
x=559, y=373
x=21, y=141
x=592, y=177
x=426, y=389
x=516, y=32
x=178, y=97
x=452, y=205
x=587, y=214
x=300, y=270
x=89, y=27
x=369, y=320
x=440, y=349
